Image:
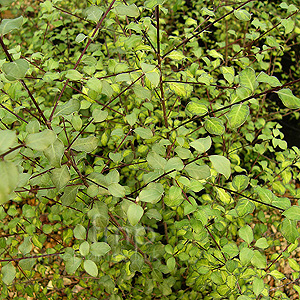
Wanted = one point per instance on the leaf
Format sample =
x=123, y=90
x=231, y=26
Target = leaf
x=244, y=207
x=100, y=248
x=8, y=273
x=247, y=79
x=174, y=163
x=242, y=15
x=240, y=182
x=202, y=145
x=84, y=248
x=289, y=230
x=93, y=13
x=99, y=115
x=196, y=108
x=79, y=232
x=259, y=260
x=9, y=179
x=198, y=172
x=67, y=108
x=176, y=55
x=153, y=77
x=155, y=161
x=171, y=263
x=90, y=267
x=88, y=144
x=288, y=99
x=231, y=249
x=221, y=164
x=246, y=255
x=238, y=114
x=54, y=153
x=214, y=126
x=246, y=234
x=26, y=246
x=265, y=195
x=72, y=264
x=74, y=75
x=7, y=25
x=15, y=70
x=116, y=190
x=40, y=141
x=271, y=80
x=134, y=213
x=262, y=243
x=69, y=196
x=80, y=38
x=136, y=262
x=7, y=139
x=175, y=196
x=152, y=193
x=293, y=213
x=180, y=89
x=144, y=133
x=60, y=176
x=127, y=10
x=258, y=286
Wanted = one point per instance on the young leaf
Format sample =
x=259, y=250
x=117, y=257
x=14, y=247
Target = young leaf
x=9, y=179
x=155, y=161
x=127, y=10
x=84, y=248
x=134, y=213
x=247, y=79
x=238, y=115
x=288, y=99
x=293, y=213
x=90, y=267
x=289, y=230
x=242, y=15
x=240, y=182
x=7, y=139
x=152, y=193
x=198, y=172
x=15, y=70
x=262, y=243
x=79, y=232
x=196, y=108
x=144, y=133
x=221, y=164
x=214, y=126
x=93, y=13
x=40, y=141
x=60, y=176
x=8, y=273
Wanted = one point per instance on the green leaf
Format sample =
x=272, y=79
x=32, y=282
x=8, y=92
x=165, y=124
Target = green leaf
x=246, y=255
x=288, y=25
x=9, y=180
x=174, y=163
x=67, y=108
x=214, y=126
x=79, y=232
x=198, y=172
x=153, y=77
x=196, y=108
x=54, y=153
x=242, y=15
x=94, y=84
x=176, y=55
x=26, y=246
x=100, y=248
x=202, y=145
x=246, y=234
x=115, y=157
x=244, y=207
x=155, y=161
x=80, y=38
x=271, y=80
x=221, y=164
x=127, y=10
x=262, y=243
x=153, y=214
x=181, y=89
x=259, y=260
x=69, y=196
x=72, y=264
x=90, y=267
x=60, y=176
x=240, y=182
x=93, y=13
x=247, y=79
x=99, y=115
x=238, y=115
x=152, y=193
x=15, y=70
x=7, y=139
x=175, y=197
x=289, y=230
x=7, y=25
x=171, y=263
x=144, y=133
x=258, y=286
x=74, y=75
x=288, y=99
x=8, y=273
x=231, y=249
x=40, y=141
x=88, y=144
x=116, y=190
x=277, y=275
x=265, y=195
x=293, y=213
x=27, y=264
x=136, y=262
x=84, y=248
x=134, y=213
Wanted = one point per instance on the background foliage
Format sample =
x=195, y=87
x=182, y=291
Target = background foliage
x=142, y=149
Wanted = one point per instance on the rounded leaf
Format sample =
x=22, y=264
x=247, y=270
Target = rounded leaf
x=134, y=213
x=90, y=267
x=214, y=126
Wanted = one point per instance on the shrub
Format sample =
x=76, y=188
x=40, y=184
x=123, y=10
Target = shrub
x=142, y=151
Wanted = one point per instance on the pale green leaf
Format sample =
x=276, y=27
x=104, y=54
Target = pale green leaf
x=67, y=108
x=134, y=213
x=246, y=234
x=240, y=182
x=8, y=273
x=289, y=230
x=155, y=161
x=151, y=193
x=74, y=75
x=196, y=108
x=214, y=126
x=26, y=246
x=99, y=115
x=79, y=232
x=258, y=286
x=238, y=115
x=88, y=144
x=116, y=190
x=54, y=153
x=144, y=133
x=60, y=176
x=288, y=99
x=242, y=15
x=198, y=172
x=247, y=79
x=221, y=164
x=262, y=243
x=40, y=141
x=15, y=70
x=7, y=25
x=72, y=264
x=100, y=248
x=90, y=267
x=95, y=85
x=7, y=139
x=84, y=248
x=93, y=13
x=174, y=163
x=9, y=179
x=202, y=145
x=293, y=213
x=127, y=10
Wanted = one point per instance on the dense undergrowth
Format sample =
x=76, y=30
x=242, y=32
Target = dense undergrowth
x=142, y=150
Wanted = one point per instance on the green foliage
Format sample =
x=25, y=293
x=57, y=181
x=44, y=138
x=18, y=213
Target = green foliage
x=142, y=152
